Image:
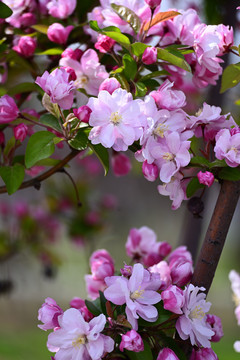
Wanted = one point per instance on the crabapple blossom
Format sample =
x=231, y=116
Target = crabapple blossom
x=138, y=293
x=149, y=56
x=78, y=339
x=121, y=164
x=61, y=9
x=153, y=3
x=104, y=43
x=192, y=324
x=58, y=33
x=58, y=87
x=216, y=325
x=83, y=113
x=163, y=270
x=131, y=341
x=234, y=277
x=26, y=46
x=110, y=85
x=167, y=98
x=48, y=314
x=90, y=73
x=167, y=354
x=150, y=171
x=173, y=299
x=203, y=354
x=20, y=132
x=205, y=178
x=117, y=119
x=8, y=109
x=228, y=147
x=78, y=303
x=73, y=54
x=175, y=190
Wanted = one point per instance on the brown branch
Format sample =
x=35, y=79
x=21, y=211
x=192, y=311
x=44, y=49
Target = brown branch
x=36, y=182
x=216, y=234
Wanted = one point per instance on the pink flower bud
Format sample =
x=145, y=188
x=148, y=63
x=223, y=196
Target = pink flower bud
x=102, y=268
x=173, y=299
x=205, y=178
x=101, y=254
x=72, y=54
x=131, y=341
x=150, y=171
x=110, y=85
x=167, y=354
x=58, y=33
x=104, y=43
x=94, y=286
x=181, y=271
x=153, y=3
x=83, y=113
x=48, y=314
x=216, y=325
x=71, y=72
x=203, y=354
x=149, y=56
x=26, y=46
x=8, y=109
x=164, y=249
x=28, y=19
x=121, y=164
x=78, y=303
x=20, y=132
x=61, y=9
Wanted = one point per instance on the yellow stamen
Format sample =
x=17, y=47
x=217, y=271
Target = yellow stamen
x=80, y=340
x=197, y=313
x=159, y=130
x=115, y=118
x=168, y=156
x=137, y=294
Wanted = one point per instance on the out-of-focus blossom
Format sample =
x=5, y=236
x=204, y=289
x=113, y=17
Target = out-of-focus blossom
x=26, y=46
x=58, y=87
x=167, y=354
x=192, y=324
x=58, y=33
x=48, y=314
x=78, y=303
x=216, y=325
x=121, y=164
x=205, y=178
x=8, y=109
x=73, y=54
x=61, y=9
x=20, y=132
x=153, y=3
x=234, y=277
x=149, y=56
x=236, y=345
x=203, y=354
x=110, y=85
x=131, y=341
x=77, y=338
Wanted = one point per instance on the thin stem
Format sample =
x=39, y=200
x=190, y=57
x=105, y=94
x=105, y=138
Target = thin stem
x=234, y=52
x=74, y=185
x=36, y=182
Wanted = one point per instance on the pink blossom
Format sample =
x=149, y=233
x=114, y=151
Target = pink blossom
x=101, y=254
x=58, y=33
x=78, y=339
x=26, y=46
x=192, y=324
x=131, y=341
x=93, y=286
x=126, y=270
x=141, y=242
x=57, y=86
x=150, y=171
x=149, y=56
x=20, y=132
x=167, y=98
x=205, y=178
x=78, y=303
x=117, y=119
x=181, y=271
x=110, y=85
x=61, y=9
x=102, y=268
x=173, y=299
x=138, y=293
x=216, y=325
x=48, y=314
x=71, y=72
x=73, y=54
x=104, y=43
x=228, y=147
x=234, y=277
x=225, y=34
x=163, y=270
x=19, y=7
x=83, y=113
x=180, y=252
x=175, y=190
x=8, y=109
x=90, y=73
x=28, y=19
x=203, y=354
x=153, y=3
x=121, y=164
x=167, y=354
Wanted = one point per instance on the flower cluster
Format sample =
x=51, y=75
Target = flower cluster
x=126, y=306
x=234, y=278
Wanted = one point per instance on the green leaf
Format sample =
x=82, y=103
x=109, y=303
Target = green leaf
x=141, y=89
x=25, y=87
x=138, y=48
x=111, y=28
x=130, y=67
x=12, y=176
x=5, y=11
x=94, y=306
x=155, y=74
x=94, y=25
x=217, y=163
x=121, y=39
x=172, y=344
x=53, y=51
x=151, y=84
x=228, y=173
x=146, y=354
x=193, y=186
x=129, y=16
x=49, y=106
x=230, y=77
x=51, y=121
x=102, y=154
x=40, y=146
x=18, y=60
x=48, y=162
x=123, y=81
x=200, y=161
x=40, y=28
x=80, y=141
x=173, y=59
x=103, y=301
x=9, y=146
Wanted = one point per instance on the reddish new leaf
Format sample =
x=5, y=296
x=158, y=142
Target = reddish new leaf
x=161, y=16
